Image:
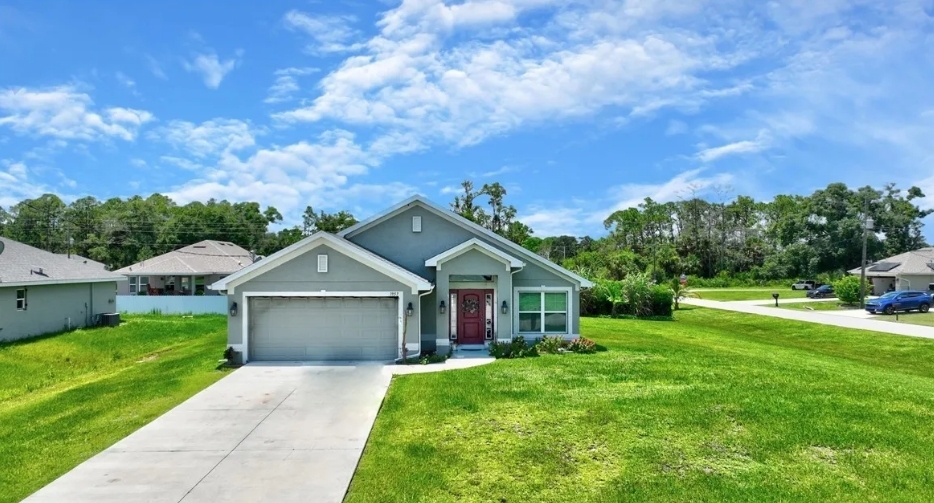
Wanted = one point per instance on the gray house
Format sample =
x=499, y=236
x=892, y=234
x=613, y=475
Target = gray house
x=912, y=270
x=185, y=271
x=416, y=276
x=42, y=292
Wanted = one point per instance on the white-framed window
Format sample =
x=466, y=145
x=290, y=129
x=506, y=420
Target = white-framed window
x=139, y=284
x=416, y=224
x=322, y=263
x=21, y=299
x=543, y=310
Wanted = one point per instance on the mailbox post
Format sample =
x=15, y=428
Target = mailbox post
x=775, y=296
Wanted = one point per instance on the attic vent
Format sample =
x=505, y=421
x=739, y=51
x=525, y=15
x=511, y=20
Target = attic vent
x=37, y=270
x=322, y=263
x=199, y=246
x=416, y=224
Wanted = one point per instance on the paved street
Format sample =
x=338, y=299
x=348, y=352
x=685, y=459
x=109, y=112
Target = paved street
x=822, y=317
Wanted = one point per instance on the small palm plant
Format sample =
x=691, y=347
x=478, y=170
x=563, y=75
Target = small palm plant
x=681, y=291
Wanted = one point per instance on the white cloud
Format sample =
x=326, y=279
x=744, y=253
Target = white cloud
x=555, y=221
x=181, y=162
x=66, y=113
x=412, y=81
x=329, y=34
x=124, y=80
x=288, y=177
x=209, y=138
x=211, y=68
x=450, y=189
x=139, y=163
x=286, y=84
x=16, y=183
x=496, y=172
x=155, y=67
x=676, y=127
x=683, y=185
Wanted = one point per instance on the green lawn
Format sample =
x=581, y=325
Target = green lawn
x=729, y=294
x=914, y=318
x=829, y=305
x=65, y=398
x=715, y=406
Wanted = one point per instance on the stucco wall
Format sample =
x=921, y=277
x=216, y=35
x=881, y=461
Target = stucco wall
x=301, y=275
x=52, y=308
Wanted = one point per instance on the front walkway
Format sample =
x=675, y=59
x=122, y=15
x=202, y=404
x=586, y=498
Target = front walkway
x=821, y=317
x=266, y=433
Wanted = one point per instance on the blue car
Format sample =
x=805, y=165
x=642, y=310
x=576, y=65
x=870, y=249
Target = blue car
x=906, y=300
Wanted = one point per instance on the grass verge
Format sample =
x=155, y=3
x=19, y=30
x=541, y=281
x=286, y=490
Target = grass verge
x=727, y=294
x=66, y=397
x=714, y=406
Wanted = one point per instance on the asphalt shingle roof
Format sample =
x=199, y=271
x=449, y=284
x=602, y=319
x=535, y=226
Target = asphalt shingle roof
x=23, y=264
x=920, y=262
x=202, y=258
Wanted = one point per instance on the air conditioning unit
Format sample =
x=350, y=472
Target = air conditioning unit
x=110, y=319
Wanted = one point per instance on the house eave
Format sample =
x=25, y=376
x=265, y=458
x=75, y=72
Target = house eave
x=12, y=284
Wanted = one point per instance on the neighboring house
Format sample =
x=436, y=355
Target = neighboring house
x=913, y=270
x=42, y=292
x=416, y=275
x=185, y=271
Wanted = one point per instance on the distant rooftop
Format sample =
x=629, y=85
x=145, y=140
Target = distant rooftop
x=21, y=264
x=202, y=258
x=917, y=262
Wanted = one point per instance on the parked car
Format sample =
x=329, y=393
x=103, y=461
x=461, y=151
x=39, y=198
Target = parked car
x=804, y=284
x=906, y=300
x=821, y=292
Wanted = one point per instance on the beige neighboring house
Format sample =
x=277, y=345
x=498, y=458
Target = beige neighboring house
x=913, y=270
x=185, y=271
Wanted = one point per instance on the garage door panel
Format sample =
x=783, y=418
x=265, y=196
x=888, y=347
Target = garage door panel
x=330, y=328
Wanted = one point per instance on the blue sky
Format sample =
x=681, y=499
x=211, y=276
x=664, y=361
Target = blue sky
x=577, y=108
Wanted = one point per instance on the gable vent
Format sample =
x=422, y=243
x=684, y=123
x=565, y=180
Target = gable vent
x=416, y=224
x=322, y=263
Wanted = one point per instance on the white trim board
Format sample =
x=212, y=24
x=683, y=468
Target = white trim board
x=474, y=244
x=466, y=224
x=298, y=249
x=245, y=312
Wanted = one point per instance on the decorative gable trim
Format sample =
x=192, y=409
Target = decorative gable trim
x=365, y=257
x=470, y=226
x=474, y=244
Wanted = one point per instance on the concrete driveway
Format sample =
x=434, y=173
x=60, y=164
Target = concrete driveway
x=276, y=433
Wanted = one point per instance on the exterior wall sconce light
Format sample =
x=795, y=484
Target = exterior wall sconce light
x=233, y=309
x=505, y=307
x=409, y=310
x=442, y=308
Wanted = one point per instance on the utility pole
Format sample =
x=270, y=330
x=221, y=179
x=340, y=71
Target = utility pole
x=867, y=224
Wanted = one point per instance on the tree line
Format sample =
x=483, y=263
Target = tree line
x=789, y=236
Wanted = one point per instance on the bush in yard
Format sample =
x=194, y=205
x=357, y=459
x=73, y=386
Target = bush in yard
x=847, y=289
x=638, y=295
x=516, y=348
x=551, y=344
x=660, y=301
x=583, y=345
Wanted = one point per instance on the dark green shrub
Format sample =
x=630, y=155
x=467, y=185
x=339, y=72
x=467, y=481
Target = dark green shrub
x=583, y=345
x=661, y=301
x=551, y=344
x=516, y=348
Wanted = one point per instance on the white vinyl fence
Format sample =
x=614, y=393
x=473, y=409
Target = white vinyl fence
x=170, y=304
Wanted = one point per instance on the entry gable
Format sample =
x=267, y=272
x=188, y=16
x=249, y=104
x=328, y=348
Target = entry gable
x=417, y=283
x=474, y=245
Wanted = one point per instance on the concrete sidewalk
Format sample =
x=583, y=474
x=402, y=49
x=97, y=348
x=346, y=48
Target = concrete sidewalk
x=266, y=433
x=818, y=317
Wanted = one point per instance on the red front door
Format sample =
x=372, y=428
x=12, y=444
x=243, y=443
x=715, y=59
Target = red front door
x=471, y=316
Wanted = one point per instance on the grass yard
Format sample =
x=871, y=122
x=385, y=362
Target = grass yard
x=716, y=406
x=828, y=305
x=730, y=294
x=913, y=318
x=65, y=398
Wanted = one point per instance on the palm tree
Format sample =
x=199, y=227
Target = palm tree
x=680, y=291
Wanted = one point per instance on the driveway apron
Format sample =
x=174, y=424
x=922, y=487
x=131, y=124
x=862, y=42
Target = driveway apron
x=277, y=433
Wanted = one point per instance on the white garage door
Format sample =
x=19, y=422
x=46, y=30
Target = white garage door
x=329, y=328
